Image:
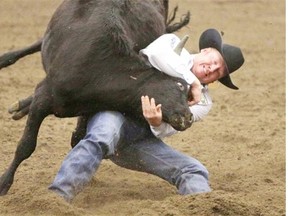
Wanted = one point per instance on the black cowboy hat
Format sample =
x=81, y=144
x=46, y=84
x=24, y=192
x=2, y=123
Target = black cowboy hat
x=232, y=55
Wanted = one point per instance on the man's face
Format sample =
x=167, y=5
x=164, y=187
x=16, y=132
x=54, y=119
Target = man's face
x=209, y=66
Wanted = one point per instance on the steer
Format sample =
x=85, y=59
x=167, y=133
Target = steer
x=90, y=56
x=21, y=108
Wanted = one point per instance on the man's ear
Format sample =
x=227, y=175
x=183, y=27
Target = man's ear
x=204, y=50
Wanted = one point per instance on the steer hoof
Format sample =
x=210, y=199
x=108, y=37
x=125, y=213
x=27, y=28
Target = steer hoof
x=6, y=181
x=18, y=115
x=14, y=107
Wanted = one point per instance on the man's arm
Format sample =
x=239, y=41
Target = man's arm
x=161, y=55
x=153, y=114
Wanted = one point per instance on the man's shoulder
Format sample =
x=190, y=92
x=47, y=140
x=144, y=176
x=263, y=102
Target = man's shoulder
x=162, y=43
x=169, y=36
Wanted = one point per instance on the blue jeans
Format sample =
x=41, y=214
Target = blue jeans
x=129, y=145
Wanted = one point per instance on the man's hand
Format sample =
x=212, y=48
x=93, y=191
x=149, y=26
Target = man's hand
x=151, y=112
x=196, y=92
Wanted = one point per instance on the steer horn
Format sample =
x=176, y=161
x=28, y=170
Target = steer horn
x=181, y=44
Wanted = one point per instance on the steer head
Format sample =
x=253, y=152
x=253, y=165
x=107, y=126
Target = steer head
x=172, y=94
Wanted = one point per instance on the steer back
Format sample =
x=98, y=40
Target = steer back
x=90, y=55
x=103, y=28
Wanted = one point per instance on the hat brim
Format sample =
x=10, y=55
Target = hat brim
x=226, y=80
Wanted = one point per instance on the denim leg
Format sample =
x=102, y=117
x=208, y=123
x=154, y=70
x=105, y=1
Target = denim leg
x=155, y=157
x=79, y=166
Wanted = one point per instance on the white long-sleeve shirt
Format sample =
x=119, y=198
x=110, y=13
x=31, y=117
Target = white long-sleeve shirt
x=161, y=55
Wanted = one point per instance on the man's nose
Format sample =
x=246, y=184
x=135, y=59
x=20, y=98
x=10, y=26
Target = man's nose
x=213, y=68
x=210, y=69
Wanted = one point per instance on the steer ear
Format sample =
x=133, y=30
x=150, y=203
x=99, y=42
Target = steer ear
x=181, y=44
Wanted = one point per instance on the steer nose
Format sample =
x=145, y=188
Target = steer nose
x=181, y=122
x=188, y=120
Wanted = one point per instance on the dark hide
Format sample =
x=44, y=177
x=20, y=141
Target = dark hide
x=11, y=57
x=90, y=56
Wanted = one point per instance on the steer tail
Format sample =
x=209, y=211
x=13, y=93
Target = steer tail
x=11, y=57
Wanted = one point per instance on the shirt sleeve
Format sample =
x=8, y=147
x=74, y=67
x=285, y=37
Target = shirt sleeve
x=161, y=55
x=173, y=65
x=164, y=130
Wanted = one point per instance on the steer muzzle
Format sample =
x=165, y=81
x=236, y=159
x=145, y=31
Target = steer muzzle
x=181, y=122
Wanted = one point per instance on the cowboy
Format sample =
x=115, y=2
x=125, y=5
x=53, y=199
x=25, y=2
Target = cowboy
x=111, y=135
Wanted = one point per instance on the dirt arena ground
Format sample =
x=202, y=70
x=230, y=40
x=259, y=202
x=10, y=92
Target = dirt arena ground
x=242, y=141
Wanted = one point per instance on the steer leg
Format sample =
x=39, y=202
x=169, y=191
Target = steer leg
x=79, y=131
x=39, y=109
x=20, y=108
x=172, y=17
x=176, y=26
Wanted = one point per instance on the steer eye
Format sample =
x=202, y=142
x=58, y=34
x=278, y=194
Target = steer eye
x=181, y=86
